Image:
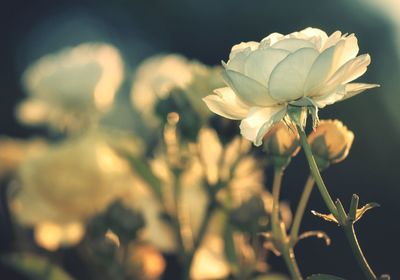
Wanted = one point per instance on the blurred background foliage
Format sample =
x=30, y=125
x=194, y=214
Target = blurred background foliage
x=205, y=30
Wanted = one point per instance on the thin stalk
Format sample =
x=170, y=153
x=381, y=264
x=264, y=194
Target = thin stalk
x=278, y=231
x=175, y=218
x=342, y=219
x=199, y=239
x=358, y=254
x=294, y=231
x=290, y=260
x=276, y=189
x=317, y=176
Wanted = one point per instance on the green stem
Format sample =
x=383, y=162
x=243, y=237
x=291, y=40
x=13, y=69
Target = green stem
x=317, y=176
x=278, y=231
x=276, y=189
x=358, y=254
x=175, y=218
x=342, y=219
x=294, y=232
x=290, y=259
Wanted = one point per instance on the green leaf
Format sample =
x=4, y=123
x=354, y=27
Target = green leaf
x=35, y=267
x=361, y=211
x=326, y=217
x=323, y=277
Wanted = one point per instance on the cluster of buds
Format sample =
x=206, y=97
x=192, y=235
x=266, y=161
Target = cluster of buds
x=330, y=143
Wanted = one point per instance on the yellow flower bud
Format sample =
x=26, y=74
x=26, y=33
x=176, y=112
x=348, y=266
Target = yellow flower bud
x=281, y=143
x=330, y=142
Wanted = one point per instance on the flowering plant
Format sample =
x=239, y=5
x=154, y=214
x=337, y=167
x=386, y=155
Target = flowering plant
x=186, y=187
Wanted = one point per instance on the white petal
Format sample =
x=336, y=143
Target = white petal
x=349, y=50
x=292, y=44
x=248, y=90
x=352, y=69
x=226, y=104
x=314, y=32
x=356, y=88
x=343, y=92
x=271, y=39
x=348, y=72
x=259, y=121
x=314, y=35
x=287, y=79
x=241, y=47
x=260, y=63
x=335, y=95
x=328, y=62
x=333, y=39
x=320, y=70
x=237, y=62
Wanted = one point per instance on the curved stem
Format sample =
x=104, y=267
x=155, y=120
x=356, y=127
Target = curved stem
x=294, y=231
x=288, y=256
x=279, y=231
x=276, y=189
x=342, y=218
x=200, y=236
x=317, y=176
x=358, y=254
x=175, y=218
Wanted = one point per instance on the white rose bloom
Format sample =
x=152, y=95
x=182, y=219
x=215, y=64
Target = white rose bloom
x=305, y=68
x=72, y=86
x=66, y=185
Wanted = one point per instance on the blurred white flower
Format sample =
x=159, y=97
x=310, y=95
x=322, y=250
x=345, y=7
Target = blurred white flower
x=69, y=88
x=305, y=68
x=159, y=74
x=67, y=184
x=231, y=164
x=13, y=152
x=206, y=161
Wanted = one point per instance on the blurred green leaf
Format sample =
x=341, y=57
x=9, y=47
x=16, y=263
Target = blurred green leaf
x=141, y=168
x=124, y=222
x=323, y=277
x=230, y=251
x=35, y=267
x=189, y=122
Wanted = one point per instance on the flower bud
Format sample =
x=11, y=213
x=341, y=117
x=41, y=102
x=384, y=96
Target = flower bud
x=281, y=143
x=330, y=142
